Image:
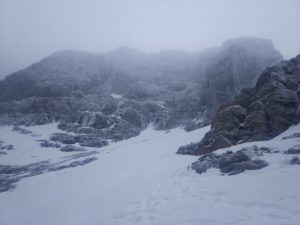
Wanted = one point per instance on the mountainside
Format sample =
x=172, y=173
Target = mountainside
x=118, y=93
x=258, y=113
x=91, y=138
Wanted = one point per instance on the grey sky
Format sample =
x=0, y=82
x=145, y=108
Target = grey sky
x=32, y=29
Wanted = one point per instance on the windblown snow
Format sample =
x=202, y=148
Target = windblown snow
x=142, y=181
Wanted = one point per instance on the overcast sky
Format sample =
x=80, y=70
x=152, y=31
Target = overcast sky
x=32, y=29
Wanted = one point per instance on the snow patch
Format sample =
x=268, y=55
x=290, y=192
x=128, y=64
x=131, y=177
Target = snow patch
x=116, y=96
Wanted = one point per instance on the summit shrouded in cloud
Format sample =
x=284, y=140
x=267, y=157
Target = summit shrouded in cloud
x=33, y=29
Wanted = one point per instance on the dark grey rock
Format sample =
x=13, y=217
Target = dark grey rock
x=94, y=143
x=295, y=161
x=21, y=130
x=293, y=150
x=231, y=163
x=7, y=184
x=205, y=162
x=239, y=167
x=190, y=126
x=6, y=147
x=187, y=149
x=86, y=130
x=63, y=138
x=48, y=144
x=71, y=148
x=295, y=135
x=90, y=140
x=268, y=150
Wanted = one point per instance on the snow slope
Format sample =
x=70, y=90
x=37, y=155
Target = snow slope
x=142, y=181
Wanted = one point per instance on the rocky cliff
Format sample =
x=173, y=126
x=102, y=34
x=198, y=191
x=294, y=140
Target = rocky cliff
x=125, y=90
x=258, y=113
x=236, y=67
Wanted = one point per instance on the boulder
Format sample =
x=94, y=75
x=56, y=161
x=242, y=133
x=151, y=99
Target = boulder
x=72, y=148
x=293, y=150
x=48, y=144
x=232, y=163
x=239, y=167
x=295, y=161
x=63, y=138
x=188, y=149
x=205, y=162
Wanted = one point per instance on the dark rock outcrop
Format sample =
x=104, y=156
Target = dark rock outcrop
x=72, y=148
x=259, y=113
x=295, y=160
x=295, y=135
x=231, y=163
x=293, y=150
x=63, y=138
x=48, y=144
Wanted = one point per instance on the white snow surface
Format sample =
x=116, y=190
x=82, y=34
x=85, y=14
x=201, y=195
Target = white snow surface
x=142, y=181
x=116, y=96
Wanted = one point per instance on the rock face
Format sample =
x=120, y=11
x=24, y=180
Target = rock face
x=116, y=95
x=258, y=113
x=236, y=67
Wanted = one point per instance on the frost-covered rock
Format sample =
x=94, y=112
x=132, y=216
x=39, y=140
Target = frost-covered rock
x=231, y=163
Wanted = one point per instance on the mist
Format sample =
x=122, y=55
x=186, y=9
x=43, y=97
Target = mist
x=33, y=29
